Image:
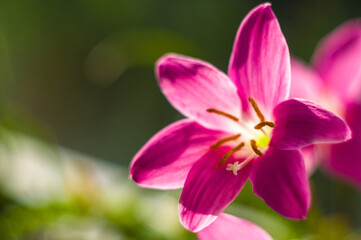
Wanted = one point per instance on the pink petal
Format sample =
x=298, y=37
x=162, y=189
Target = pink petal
x=280, y=178
x=345, y=159
x=193, y=86
x=305, y=81
x=301, y=122
x=208, y=191
x=338, y=59
x=260, y=61
x=165, y=160
x=311, y=158
x=228, y=227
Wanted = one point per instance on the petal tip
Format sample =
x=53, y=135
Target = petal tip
x=163, y=61
x=165, y=58
x=301, y=215
x=187, y=221
x=196, y=227
x=140, y=177
x=133, y=174
x=263, y=5
x=139, y=181
x=133, y=166
x=348, y=133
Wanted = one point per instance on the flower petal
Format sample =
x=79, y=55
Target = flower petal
x=165, y=160
x=301, y=122
x=305, y=81
x=280, y=179
x=193, y=86
x=260, y=61
x=232, y=228
x=209, y=190
x=338, y=59
x=312, y=158
x=345, y=158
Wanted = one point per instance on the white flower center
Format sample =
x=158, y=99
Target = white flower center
x=253, y=141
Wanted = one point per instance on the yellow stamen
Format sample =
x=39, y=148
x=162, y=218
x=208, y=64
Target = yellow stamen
x=256, y=109
x=212, y=110
x=266, y=123
x=228, y=154
x=255, y=149
x=224, y=140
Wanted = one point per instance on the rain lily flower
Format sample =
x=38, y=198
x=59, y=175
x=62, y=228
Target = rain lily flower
x=238, y=126
x=334, y=80
x=232, y=228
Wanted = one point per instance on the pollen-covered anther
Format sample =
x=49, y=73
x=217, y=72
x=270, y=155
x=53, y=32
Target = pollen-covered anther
x=212, y=110
x=224, y=140
x=228, y=154
x=255, y=148
x=256, y=109
x=235, y=167
x=265, y=123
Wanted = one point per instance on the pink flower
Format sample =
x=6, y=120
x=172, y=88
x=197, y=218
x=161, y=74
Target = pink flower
x=237, y=126
x=334, y=80
x=232, y=228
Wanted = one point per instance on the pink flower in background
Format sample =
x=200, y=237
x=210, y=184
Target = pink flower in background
x=228, y=227
x=334, y=80
x=238, y=126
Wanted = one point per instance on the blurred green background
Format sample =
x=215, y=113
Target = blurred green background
x=79, y=74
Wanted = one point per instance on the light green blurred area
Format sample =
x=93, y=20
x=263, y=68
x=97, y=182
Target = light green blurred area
x=50, y=192
x=79, y=75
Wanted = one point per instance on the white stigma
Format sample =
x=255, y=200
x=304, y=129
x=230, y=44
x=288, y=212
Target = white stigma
x=235, y=167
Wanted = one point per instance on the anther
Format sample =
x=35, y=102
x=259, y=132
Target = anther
x=212, y=110
x=224, y=140
x=228, y=154
x=266, y=123
x=256, y=109
x=255, y=149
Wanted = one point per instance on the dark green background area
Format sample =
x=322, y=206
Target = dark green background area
x=80, y=72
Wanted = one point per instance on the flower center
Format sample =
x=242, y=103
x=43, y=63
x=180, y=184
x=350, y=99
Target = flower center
x=255, y=140
x=263, y=141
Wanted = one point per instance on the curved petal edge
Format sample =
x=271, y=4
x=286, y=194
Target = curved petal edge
x=260, y=60
x=280, y=179
x=300, y=123
x=165, y=160
x=228, y=227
